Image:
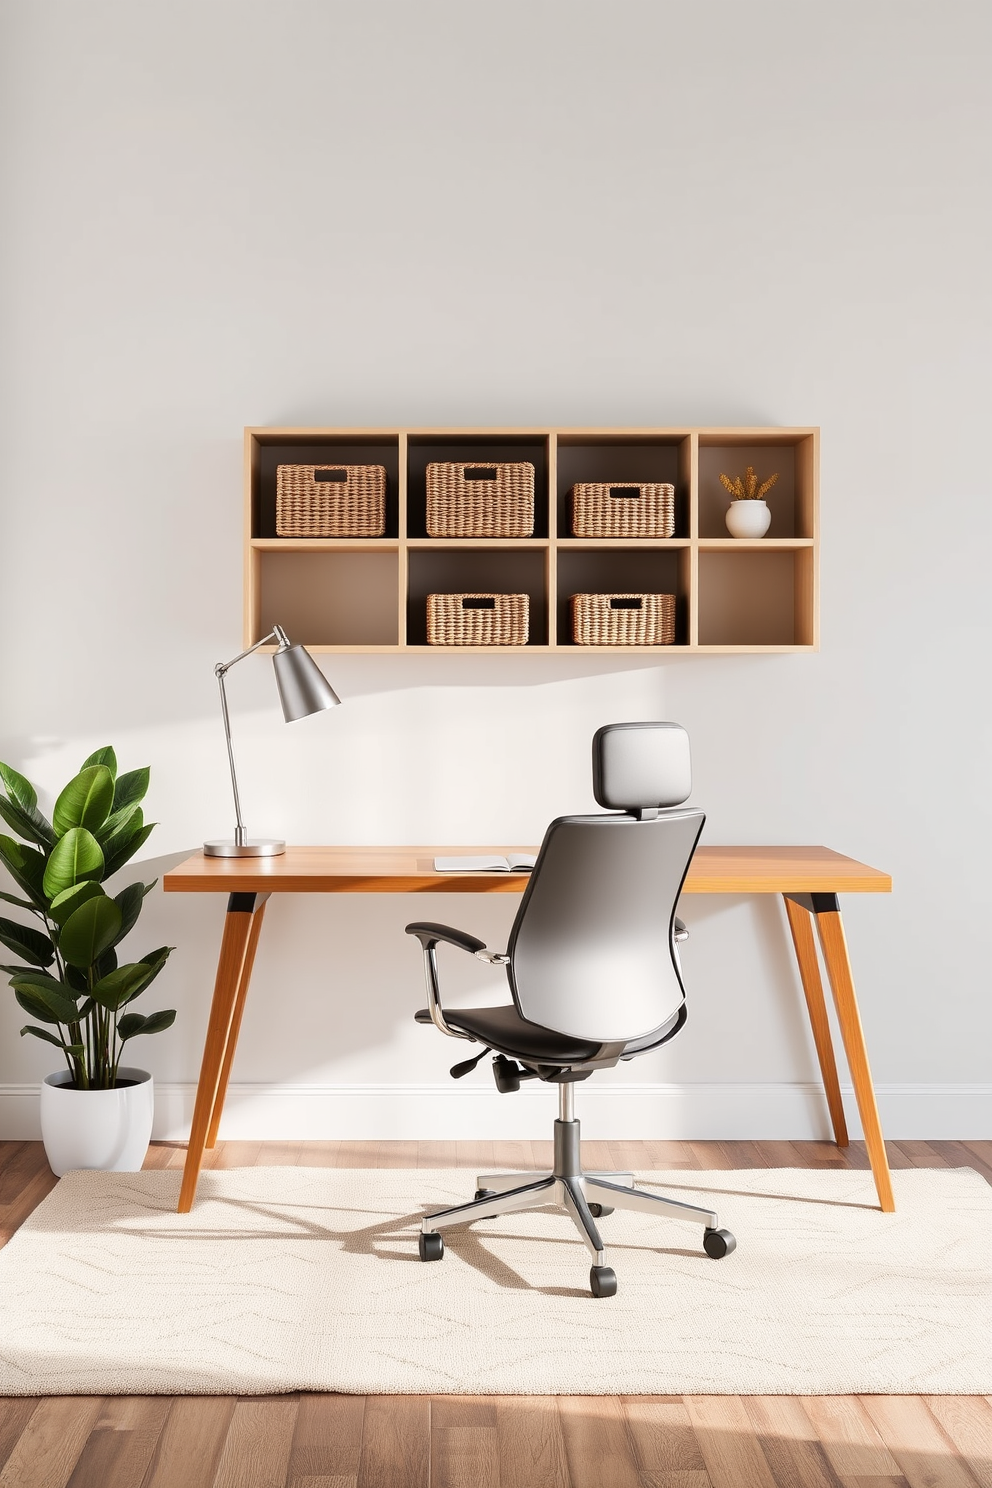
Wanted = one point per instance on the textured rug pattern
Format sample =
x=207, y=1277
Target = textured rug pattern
x=308, y=1279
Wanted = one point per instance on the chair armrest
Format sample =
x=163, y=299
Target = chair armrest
x=430, y=934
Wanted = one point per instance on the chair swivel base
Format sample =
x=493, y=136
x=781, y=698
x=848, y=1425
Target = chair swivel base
x=586, y=1197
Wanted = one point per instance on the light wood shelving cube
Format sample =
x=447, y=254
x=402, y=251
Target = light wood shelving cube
x=369, y=594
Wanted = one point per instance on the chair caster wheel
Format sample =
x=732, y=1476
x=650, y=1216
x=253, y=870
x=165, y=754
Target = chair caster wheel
x=603, y=1281
x=431, y=1246
x=484, y=1193
x=718, y=1243
x=600, y=1211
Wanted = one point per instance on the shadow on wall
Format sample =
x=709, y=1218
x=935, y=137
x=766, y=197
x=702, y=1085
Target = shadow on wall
x=447, y=765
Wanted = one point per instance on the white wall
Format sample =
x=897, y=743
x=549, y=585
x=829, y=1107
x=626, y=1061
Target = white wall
x=222, y=213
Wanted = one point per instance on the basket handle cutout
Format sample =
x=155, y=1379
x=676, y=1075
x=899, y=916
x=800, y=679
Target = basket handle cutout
x=483, y=603
x=480, y=472
x=331, y=474
x=626, y=603
x=631, y=492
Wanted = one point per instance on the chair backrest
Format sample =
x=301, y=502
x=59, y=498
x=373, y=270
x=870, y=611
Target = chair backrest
x=592, y=953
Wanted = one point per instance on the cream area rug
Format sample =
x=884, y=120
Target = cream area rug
x=308, y=1279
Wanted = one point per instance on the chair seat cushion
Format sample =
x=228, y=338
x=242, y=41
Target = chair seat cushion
x=502, y=1028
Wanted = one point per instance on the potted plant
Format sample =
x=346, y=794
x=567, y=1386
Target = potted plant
x=97, y=1112
x=748, y=514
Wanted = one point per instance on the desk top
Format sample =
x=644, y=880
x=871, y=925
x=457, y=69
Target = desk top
x=410, y=870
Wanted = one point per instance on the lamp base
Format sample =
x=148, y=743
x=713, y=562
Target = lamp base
x=255, y=847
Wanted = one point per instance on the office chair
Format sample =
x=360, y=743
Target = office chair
x=595, y=978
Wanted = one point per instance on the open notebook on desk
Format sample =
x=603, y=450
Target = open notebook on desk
x=514, y=862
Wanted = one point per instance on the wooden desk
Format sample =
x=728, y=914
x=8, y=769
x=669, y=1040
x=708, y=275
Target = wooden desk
x=808, y=878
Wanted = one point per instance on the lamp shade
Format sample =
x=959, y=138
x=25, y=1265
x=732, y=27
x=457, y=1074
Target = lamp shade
x=303, y=688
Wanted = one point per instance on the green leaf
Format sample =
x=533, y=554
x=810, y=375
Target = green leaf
x=18, y=819
x=116, y=856
x=154, y=961
x=76, y=857
x=159, y=1022
x=31, y=945
x=24, y=796
x=86, y=801
x=130, y=1024
x=120, y=986
x=32, y=977
x=42, y=1003
x=29, y=824
x=13, y=899
x=117, y=821
x=51, y=1038
x=129, y=902
x=66, y=903
x=132, y=825
x=104, y=756
x=89, y=931
x=133, y=1023
x=106, y=964
x=20, y=790
x=27, y=867
x=131, y=787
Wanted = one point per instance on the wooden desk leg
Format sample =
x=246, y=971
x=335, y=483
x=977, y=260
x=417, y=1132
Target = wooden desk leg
x=236, y=1016
x=237, y=949
x=800, y=923
x=826, y=910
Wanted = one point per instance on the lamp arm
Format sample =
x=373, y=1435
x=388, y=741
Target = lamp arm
x=275, y=634
x=240, y=835
x=220, y=671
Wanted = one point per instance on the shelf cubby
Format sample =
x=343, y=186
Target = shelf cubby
x=309, y=449
x=791, y=499
x=753, y=597
x=370, y=594
x=617, y=457
x=481, y=449
x=343, y=597
x=627, y=569
x=479, y=569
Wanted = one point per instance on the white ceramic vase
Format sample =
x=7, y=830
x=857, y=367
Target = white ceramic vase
x=748, y=518
x=106, y=1129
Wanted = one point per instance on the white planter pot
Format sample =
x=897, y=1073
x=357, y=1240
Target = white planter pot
x=106, y=1129
x=748, y=518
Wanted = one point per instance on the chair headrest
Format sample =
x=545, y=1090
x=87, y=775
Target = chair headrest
x=641, y=766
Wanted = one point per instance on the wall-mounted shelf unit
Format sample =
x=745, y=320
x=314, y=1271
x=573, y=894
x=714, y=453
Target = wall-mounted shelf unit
x=370, y=594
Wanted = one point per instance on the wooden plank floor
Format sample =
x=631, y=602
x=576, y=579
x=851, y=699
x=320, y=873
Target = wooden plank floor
x=333, y=1441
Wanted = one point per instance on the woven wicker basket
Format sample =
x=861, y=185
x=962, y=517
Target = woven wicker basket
x=330, y=500
x=622, y=509
x=477, y=619
x=623, y=619
x=480, y=500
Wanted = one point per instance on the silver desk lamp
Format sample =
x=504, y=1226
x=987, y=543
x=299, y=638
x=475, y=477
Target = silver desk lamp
x=303, y=689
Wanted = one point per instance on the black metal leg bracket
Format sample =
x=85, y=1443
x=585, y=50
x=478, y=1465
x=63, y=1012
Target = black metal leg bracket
x=814, y=904
x=245, y=903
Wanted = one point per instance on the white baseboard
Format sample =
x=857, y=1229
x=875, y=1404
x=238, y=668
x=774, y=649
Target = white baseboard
x=785, y=1111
